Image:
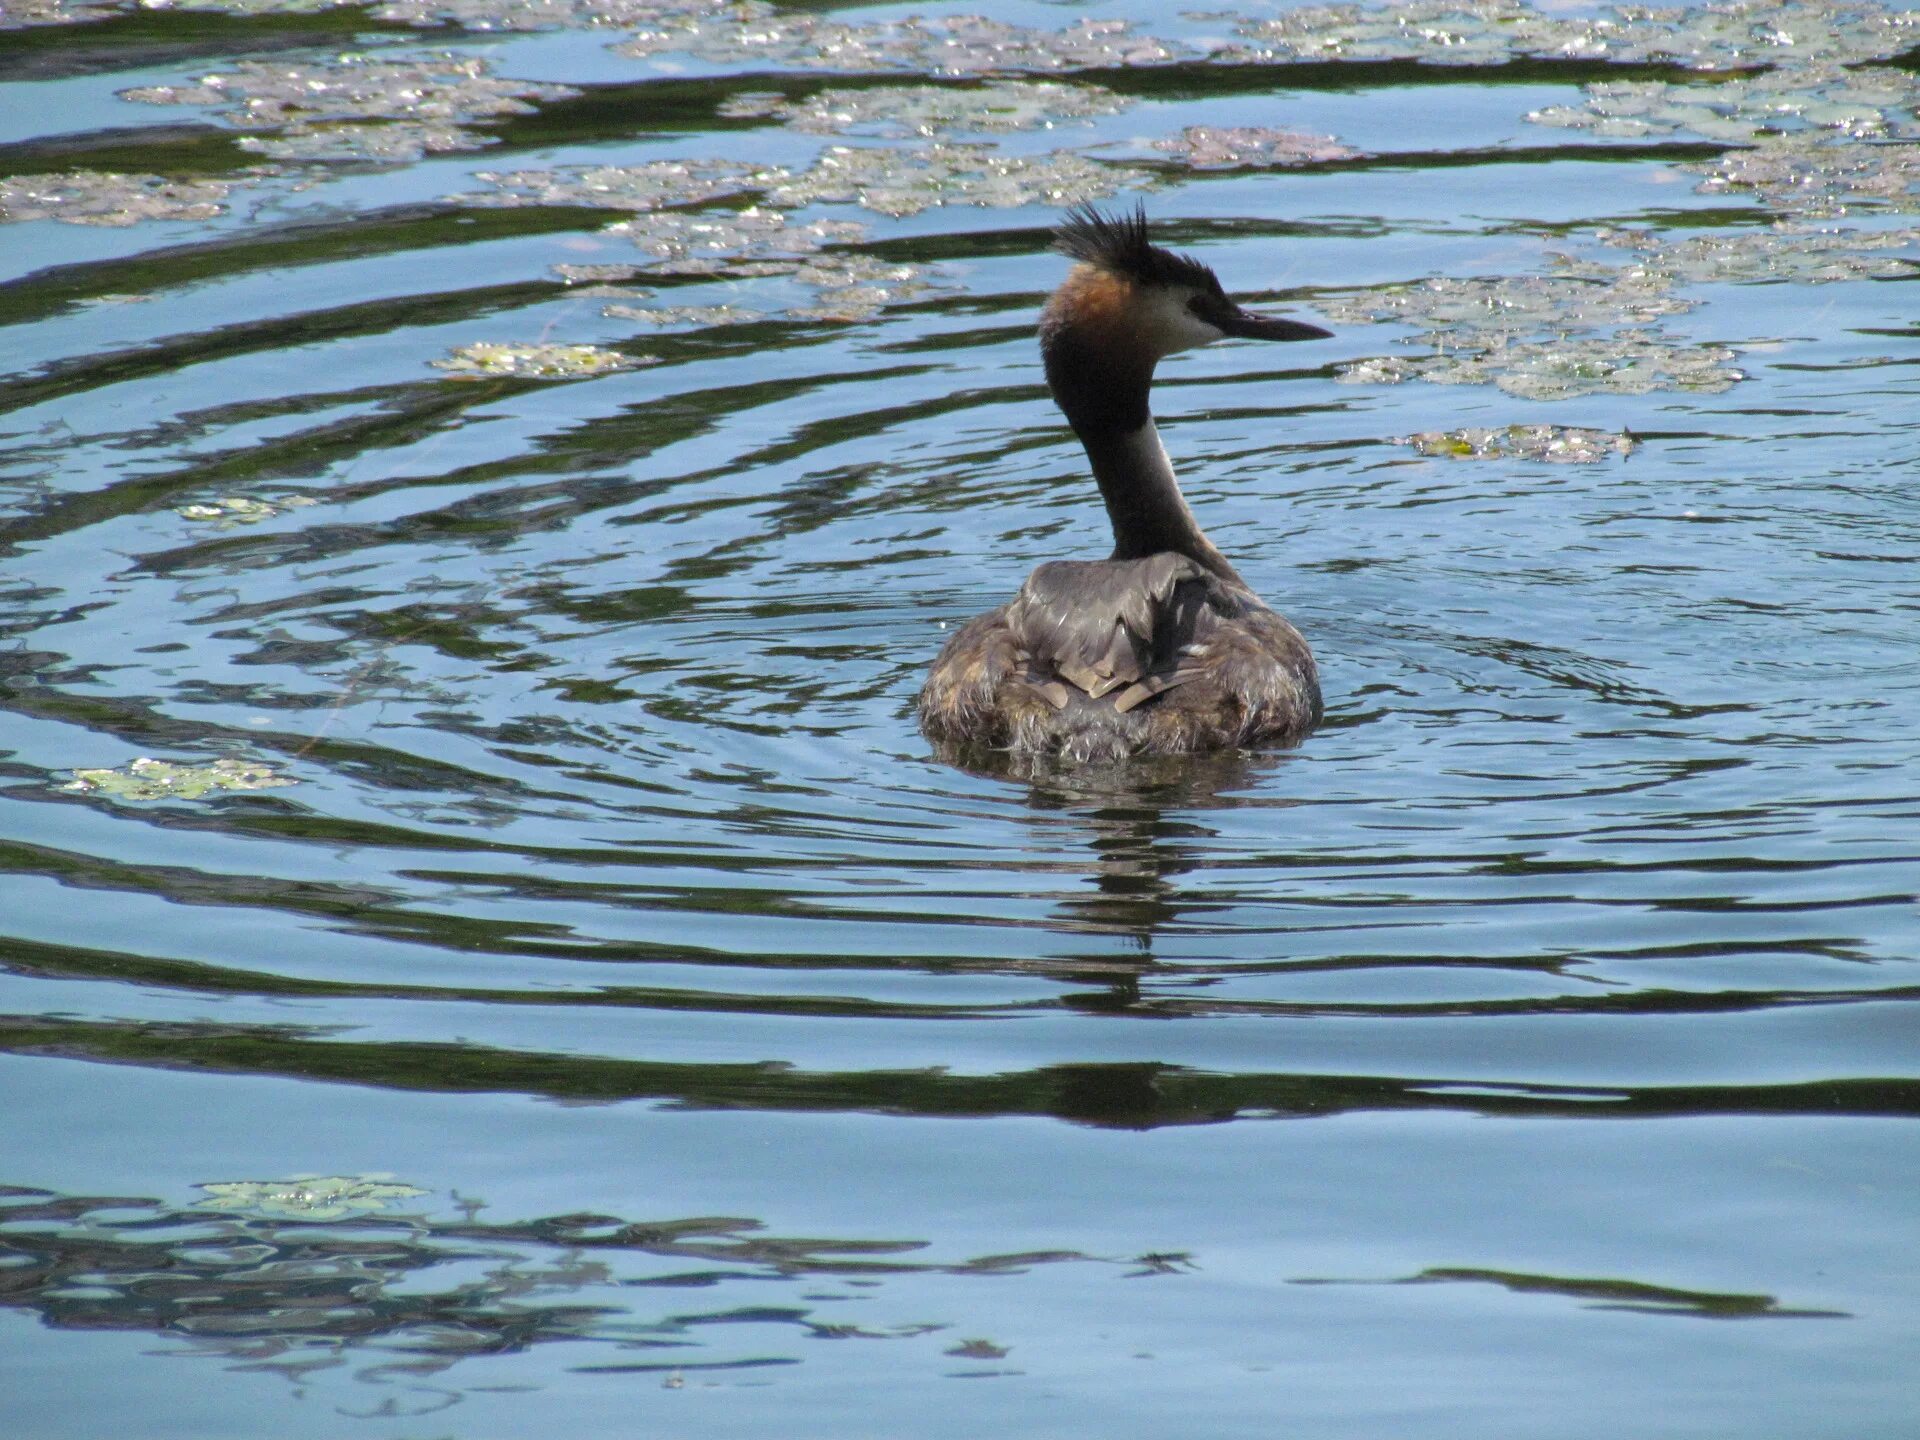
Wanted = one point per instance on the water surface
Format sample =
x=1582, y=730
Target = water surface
x=668, y=1040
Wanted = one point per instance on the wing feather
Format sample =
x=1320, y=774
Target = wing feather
x=1108, y=625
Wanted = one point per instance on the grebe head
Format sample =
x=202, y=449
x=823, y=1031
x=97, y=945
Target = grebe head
x=1126, y=304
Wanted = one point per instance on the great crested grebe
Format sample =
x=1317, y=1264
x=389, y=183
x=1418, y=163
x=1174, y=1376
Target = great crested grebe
x=1161, y=649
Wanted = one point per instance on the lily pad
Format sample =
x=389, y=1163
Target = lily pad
x=329, y=1197
x=1556, y=444
x=147, y=779
x=486, y=360
x=1212, y=147
x=104, y=197
x=901, y=111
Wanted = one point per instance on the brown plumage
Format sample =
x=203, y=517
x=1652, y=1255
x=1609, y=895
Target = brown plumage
x=1161, y=649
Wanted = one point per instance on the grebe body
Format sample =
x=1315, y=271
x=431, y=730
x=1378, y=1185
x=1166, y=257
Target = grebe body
x=1161, y=648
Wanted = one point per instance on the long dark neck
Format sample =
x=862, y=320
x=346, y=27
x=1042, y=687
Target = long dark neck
x=1144, y=502
x=1105, y=400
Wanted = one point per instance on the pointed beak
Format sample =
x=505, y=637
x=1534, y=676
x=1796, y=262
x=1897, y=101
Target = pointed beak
x=1246, y=325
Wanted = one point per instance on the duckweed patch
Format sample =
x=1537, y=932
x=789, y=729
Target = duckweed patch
x=1478, y=309
x=1860, y=103
x=488, y=360
x=664, y=316
x=393, y=142
x=960, y=45
x=1724, y=36
x=314, y=1198
x=906, y=182
x=1539, y=337
x=1629, y=363
x=890, y=181
x=1784, y=253
x=104, y=197
x=616, y=187
x=149, y=779
x=856, y=287
x=1805, y=175
x=484, y=15
x=26, y=14
x=1555, y=444
x=323, y=110
x=902, y=111
x=707, y=244
x=845, y=288
x=1210, y=147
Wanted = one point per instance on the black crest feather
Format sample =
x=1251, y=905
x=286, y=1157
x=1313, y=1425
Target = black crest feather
x=1118, y=244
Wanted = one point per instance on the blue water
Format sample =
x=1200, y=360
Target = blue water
x=1526, y=1054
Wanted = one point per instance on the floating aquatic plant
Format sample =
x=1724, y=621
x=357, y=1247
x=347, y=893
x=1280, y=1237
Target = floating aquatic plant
x=755, y=34
x=231, y=510
x=148, y=779
x=1805, y=175
x=1782, y=253
x=318, y=1197
x=709, y=243
x=1727, y=36
x=601, y=276
x=538, y=362
x=1632, y=362
x=1858, y=103
x=486, y=15
x=104, y=197
x=478, y=15
x=1534, y=336
x=892, y=181
x=704, y=316
x=22, y=14
x=1474, y=32
x=900, y=111
x=1214, y=147
x=1479, y=309
x=906, y=182
x=319, y=108
x=386, y=142
x=616, y=187
x=856, y=287
x=1556, y=444
x=846, y=287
